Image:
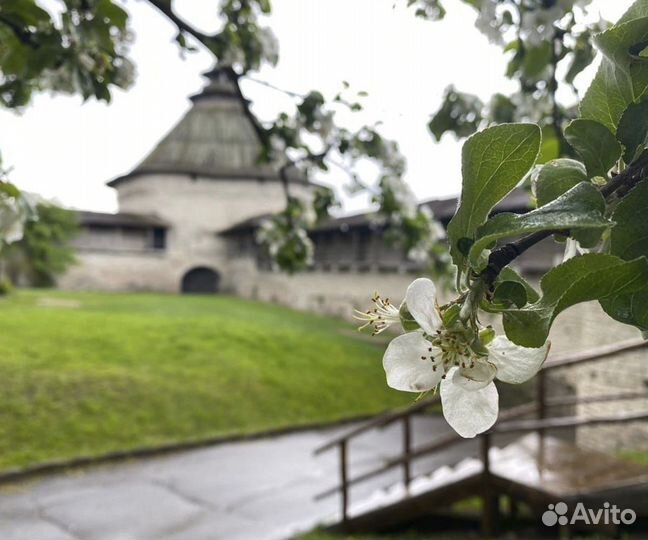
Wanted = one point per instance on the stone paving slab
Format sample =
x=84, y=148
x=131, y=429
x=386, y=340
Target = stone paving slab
x=253, y=490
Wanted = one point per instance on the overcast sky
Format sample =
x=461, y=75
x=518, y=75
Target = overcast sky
x=67, y=150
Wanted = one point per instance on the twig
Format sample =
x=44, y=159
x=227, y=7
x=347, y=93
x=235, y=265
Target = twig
x=273, y=87
x=556, y=115
x=506, y=254
x=164, y=6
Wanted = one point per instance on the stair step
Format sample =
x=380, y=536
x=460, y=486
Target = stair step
x=422, y=484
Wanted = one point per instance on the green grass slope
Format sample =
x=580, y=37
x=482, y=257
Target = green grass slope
x=83, y=374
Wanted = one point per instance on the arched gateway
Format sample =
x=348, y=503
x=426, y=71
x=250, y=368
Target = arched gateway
x=200, y=280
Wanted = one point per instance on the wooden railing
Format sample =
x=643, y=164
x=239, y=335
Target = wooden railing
x=510, y=421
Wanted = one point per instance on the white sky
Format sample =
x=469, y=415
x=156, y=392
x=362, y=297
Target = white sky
x=67, y=150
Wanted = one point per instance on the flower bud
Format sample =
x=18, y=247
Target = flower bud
x=451, y=315
x=487, y=335
x=407, y=320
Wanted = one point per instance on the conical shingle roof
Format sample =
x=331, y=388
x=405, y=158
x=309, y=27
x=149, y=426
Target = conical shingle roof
x=218, y=138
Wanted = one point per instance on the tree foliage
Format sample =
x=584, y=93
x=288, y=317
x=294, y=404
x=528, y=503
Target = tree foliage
x=543, y=40
x=44, y=252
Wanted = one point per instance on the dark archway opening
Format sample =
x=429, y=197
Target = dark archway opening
x=201, y=281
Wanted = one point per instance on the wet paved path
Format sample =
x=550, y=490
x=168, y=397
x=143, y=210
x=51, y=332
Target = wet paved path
x=253, y=490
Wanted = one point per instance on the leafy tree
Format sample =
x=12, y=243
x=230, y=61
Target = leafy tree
x=44, y=252
x=544, y=39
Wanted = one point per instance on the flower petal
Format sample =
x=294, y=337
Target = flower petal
x=469, y=412
x=475, y=378
x=405, y=367
x=421, y=303
x=515, y=364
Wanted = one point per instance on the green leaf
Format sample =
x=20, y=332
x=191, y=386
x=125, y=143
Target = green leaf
x=9, y=189
x=633, y=130
x=595, y=144
x=620, y=80
x=508, y=274
x=115, y=14
x=507, y=293
x=631, y=309
x=550, y=148
x=629, y=240
x=581, y=279
x=493, y=163
x=502, y=109
x=459, y=113
x=582, y=56
x=25, y=13
x=510, y=293
x=582, y=207
x=557, y=177
x=536, y=59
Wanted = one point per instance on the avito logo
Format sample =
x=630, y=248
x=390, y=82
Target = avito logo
x=558, y=514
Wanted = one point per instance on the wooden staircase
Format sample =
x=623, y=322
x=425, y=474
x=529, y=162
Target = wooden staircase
x=523, y=457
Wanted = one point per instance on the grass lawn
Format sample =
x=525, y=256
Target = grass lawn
x=86, y=373
x=636, y=456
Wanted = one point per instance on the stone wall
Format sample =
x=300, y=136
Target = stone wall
x=196, y=204
x=586, y=326
x=152, y=271
x=330, y=293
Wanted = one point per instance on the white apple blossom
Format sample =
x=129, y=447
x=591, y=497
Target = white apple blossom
x=573, y=249
x=379, y=318
x=487, y=22
x=269, y=45
x=420, y=360
x=537, y=25
x=13, y=214
x=403, y=196
x=530, y=107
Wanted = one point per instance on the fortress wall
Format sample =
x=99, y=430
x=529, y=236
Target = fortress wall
x=202, y=204
x=586, y=326
x=330, y=293
x=119, y=271
x=133, y=272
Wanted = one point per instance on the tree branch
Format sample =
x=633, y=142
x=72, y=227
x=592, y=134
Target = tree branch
x=556, y=114
x=504, y=255
x=24, y=36
x=273, y=87
x=164, y=6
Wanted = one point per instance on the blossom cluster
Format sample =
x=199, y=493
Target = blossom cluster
x=15, y=209
x=438, y=351
x=536, y=20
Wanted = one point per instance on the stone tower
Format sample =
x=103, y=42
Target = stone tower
x=202, y=178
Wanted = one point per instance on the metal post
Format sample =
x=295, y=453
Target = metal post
x=514, y=509
x=407, y=445
x=541, y=395
x=343, y=480
x=489, y=500
x=541, y=403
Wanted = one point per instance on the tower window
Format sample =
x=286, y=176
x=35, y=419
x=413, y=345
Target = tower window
x=159, y=238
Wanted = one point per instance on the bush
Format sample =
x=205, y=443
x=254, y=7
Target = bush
x=5, y=286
